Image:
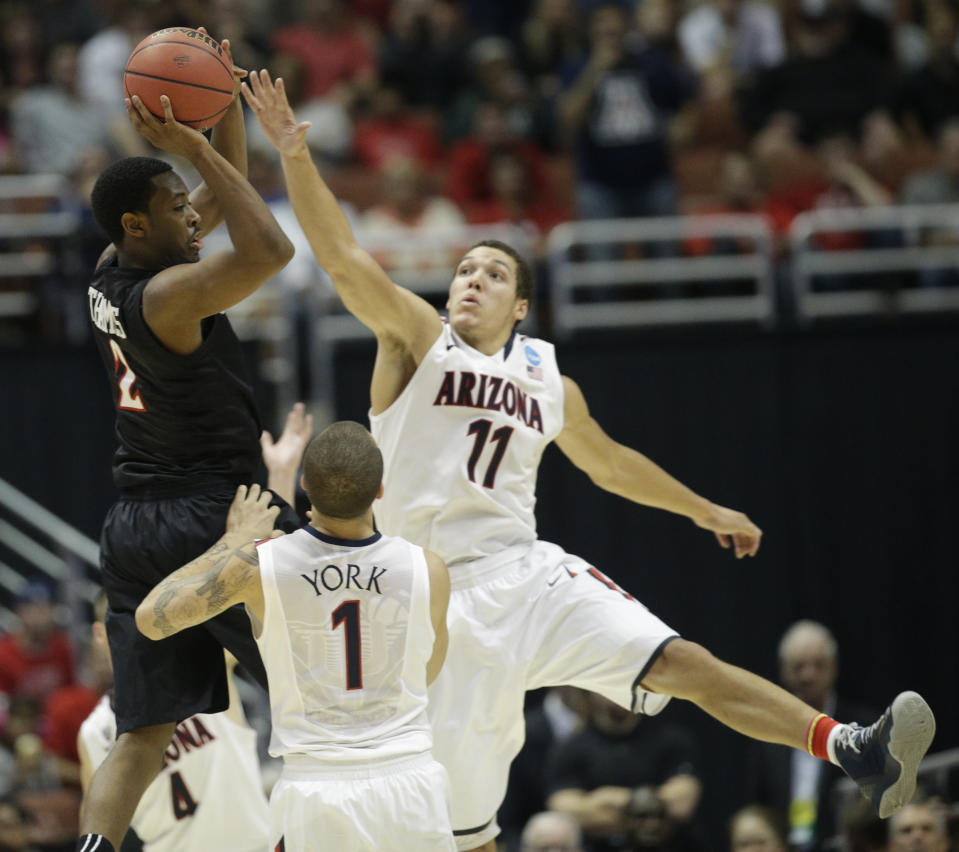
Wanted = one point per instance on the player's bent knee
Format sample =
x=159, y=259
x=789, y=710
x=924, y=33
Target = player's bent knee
x=682, y=670
x=151, y=739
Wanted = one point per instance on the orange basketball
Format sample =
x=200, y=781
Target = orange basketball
x=187, y=66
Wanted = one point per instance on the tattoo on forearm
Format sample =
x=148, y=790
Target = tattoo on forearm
x=203, y=588
x=160, y=620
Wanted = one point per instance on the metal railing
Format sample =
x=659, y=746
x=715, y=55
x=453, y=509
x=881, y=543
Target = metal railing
x=21, y=257
x=49, y=546
x=597, y=280
x=891, y=264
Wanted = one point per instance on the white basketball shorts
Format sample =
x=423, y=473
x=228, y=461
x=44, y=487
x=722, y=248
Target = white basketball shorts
x=390, y=806
x=544, y=618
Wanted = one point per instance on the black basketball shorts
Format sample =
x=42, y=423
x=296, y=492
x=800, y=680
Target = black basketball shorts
x=143, y=541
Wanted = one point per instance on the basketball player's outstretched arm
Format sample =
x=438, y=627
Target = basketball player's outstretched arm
x=628, y=473
x=177, y=298
x=282, y=457
x=396, y=315
x=226, y=574
x=439, y=601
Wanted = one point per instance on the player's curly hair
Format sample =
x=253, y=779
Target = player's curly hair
x=342, y=470
x=124, y=187
x=524, y=272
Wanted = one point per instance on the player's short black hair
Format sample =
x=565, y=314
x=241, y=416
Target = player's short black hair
x=342, y=470
x=124, y=187
x=524, y=272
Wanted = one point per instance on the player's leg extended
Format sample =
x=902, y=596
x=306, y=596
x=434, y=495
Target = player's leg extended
x=882, y=758
x=119, y=782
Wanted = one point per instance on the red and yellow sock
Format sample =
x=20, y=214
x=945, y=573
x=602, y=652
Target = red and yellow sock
x=817, y=735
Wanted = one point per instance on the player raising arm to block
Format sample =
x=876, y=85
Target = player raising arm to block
x=463, y=411
x=351, y=625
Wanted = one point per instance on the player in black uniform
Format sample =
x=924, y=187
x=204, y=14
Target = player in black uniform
x=187, y=425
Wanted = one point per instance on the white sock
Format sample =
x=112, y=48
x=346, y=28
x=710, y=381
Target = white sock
x=831, y=743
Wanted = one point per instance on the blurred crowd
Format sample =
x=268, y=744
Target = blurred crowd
x=428, y=114
x=591, y=777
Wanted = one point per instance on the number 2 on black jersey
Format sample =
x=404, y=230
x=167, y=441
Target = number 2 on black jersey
x=130, y=400
x=348, y=614
x=480, y=431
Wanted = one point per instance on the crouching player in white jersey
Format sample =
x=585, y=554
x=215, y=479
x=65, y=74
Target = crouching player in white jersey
x=209, y=793
x=463, y=411
x=351, y=625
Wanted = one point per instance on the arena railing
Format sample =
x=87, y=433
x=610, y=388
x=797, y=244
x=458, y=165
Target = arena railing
x=616, y=273
x=22, y=223
x=875, y=260
x=42, y=543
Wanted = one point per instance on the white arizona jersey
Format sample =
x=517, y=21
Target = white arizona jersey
x=345, y=640
x=462, y=443
x=209, y=793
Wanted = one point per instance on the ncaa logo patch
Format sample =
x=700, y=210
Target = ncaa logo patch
x=532, y=356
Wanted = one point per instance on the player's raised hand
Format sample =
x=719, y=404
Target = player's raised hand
x=732, y=529
x=251, y=514
x=286, y=452
x=268, y=101
x=166, y=133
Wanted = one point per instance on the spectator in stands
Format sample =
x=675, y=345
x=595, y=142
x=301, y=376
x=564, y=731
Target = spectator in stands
x=102, y=58
x=649, y=827
x=789, y=781
x=849, y=185
x=551, y=38
x=336, y=57
x=67, y=707
x=548, y=723
x=593, y=773
x=21, y=49
x=391, y=129
x=409, y=207
x=548, y=831
x=52, y=126
x=757, y=829
x=919, y=827
x=424, y=52
x=513, y=200
x=929, y=95
x=862, y=830
x=496, y=78
x=36, y=657
x=34, y=783
x=468, y=175
x=228, y=19
x=617, y=107
x=821, y=60
x=744, y=35
x=939, y=184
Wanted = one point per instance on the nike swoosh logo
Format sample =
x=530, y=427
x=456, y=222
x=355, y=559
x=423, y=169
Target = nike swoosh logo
x=555, y=580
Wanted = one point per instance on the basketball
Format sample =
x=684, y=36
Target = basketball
x=189, y=67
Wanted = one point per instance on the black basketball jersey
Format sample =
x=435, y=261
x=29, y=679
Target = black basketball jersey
x=185, y=423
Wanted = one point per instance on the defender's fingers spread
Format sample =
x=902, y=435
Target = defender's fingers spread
x=240, y=493
x=250, y=98
x=254, y=491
